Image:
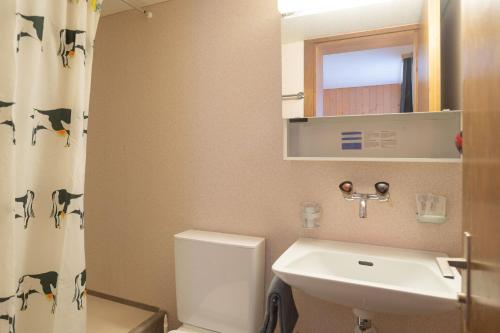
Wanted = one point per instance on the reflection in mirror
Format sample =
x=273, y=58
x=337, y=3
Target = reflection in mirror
x=364, y=74
x=369, y=57
x=367, y=81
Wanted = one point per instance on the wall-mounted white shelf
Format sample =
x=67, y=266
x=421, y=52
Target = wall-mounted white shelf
x=431, y=219
x=375, y=159
x=412, y=137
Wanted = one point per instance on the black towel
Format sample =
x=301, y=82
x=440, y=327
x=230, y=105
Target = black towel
x=280, y=305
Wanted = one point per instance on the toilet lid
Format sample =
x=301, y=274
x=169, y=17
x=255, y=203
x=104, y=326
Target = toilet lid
x=190, y=329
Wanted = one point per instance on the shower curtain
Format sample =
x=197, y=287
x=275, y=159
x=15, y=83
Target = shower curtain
x=46, y=49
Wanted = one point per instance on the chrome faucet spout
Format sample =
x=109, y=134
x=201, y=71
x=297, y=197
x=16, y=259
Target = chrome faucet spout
x=363, y=208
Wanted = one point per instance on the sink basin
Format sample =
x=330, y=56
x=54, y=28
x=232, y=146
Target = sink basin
x=369, y=278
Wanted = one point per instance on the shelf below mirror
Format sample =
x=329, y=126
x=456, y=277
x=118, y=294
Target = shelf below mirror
x=399, y=137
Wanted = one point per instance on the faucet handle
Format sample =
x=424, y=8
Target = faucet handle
x=346, y=188
x=382, y=188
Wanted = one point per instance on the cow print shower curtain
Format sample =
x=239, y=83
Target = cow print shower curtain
x=46, y=49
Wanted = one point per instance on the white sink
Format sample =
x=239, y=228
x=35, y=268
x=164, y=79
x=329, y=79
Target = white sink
x=370, y=278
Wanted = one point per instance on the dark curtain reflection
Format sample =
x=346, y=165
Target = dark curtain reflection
x=406, y=86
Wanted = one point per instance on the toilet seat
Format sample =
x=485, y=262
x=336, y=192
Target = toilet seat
x=191, y=329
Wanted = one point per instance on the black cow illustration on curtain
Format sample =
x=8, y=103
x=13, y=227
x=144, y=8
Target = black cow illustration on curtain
x=6, y=118
x=7, y=313
x=80, y=282
x=64, y=203
x=85, y=123
x=57, y=121
x=27, y=207
x=70, y=42
x=31, y=27
x=44, y=284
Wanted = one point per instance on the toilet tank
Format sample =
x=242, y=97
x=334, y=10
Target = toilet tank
x=219, y=281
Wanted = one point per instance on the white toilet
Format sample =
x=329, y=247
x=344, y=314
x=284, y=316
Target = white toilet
x=219, y=282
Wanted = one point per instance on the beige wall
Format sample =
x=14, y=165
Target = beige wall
x=185, y=132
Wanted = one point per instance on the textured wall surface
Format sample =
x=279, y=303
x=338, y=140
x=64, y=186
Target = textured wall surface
x=185, y=131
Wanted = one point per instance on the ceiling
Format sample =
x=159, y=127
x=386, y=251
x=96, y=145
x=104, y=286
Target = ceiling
x=116, y=6
x=384, y=13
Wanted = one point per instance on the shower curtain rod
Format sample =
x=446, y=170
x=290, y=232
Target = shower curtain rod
x=139, y=9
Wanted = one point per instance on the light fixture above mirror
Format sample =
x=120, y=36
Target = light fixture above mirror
x=308, y=7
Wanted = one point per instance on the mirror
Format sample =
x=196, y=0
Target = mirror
x=365, y=57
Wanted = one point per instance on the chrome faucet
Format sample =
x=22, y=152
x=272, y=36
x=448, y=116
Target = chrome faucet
x=381, y=194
